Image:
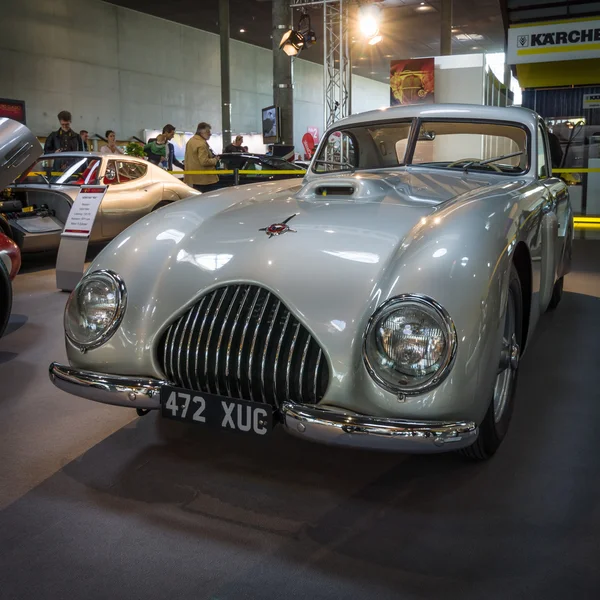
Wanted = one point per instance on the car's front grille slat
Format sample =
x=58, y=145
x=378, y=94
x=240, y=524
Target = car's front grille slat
x=236, y=322
x=242, y=341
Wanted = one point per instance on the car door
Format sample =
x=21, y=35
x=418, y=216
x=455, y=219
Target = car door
x=131, y=194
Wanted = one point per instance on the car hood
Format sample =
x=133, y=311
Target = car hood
x=329, y=268
x=19, y=149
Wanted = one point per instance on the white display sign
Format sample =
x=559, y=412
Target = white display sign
x=591, y=101
x=558, y=41
x=84, y=210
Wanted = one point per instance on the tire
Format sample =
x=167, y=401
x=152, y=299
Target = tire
x=161, y=204
x=5, y=298
x=557, y=293
x=494, y=426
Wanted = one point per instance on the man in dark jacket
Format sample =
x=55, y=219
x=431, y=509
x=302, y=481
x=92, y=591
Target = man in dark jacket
x=169, y=131
x=65, y=139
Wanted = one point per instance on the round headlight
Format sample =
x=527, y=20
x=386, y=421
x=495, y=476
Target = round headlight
x=95, y=309
x=410, y=344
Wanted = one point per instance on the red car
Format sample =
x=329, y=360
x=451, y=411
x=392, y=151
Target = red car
x=10, y=263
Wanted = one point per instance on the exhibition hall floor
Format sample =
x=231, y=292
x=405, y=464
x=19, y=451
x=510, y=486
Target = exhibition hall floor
x=93, y=504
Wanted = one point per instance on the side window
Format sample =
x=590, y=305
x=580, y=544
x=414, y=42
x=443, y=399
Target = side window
x=128, y=171
x=542, y=158
x=252, y=165
x=339, y=153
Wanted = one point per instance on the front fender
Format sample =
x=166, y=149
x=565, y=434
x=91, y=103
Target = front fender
x=461, y=257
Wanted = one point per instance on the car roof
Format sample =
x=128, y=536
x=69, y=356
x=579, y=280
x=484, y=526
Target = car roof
x=96, y=155
x=517, y=114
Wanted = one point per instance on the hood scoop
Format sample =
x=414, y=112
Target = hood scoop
x=348, y=188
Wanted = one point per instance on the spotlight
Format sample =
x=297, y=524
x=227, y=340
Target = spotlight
x=295, y=40
x=369, y=17
x=292, y=42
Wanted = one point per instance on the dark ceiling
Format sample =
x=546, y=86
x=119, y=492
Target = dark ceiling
x=410, y=27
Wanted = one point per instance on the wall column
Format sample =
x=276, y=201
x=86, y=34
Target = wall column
x=446, y=28
x=225, y=80
x=283, y=81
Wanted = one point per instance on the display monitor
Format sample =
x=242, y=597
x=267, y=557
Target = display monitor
x=270, y=125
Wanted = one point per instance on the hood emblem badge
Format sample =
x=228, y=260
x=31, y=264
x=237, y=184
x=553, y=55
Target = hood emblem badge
x=279, y=228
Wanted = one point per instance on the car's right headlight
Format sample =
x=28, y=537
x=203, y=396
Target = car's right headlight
x=95, y=309
x=410, y=344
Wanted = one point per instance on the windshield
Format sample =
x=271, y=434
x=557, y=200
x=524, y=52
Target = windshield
x=464, y=144
x=445, y=144
x=63, y=170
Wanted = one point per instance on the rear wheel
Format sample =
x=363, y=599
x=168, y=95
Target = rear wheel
x=5, y=297
x=497, y=418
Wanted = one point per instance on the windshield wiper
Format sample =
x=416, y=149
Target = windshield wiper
x=337, y=164
x=487, y=161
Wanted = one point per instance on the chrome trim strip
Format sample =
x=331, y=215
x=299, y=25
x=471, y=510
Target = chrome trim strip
x=189, y=348
x=243, y=340
x=256, y=330
x=289, y=363
x=186, y=331
x=276, y=365
x=266, y=348
x=172, y=370
x=197, y=356
x=168, y=344
x=212, y=325
x=316, y=381
x=376, y=433
x=231, y=336
x=303, y=365
x=221, y=334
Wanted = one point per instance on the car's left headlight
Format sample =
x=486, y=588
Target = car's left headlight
x=95, y=309
x=410, y=344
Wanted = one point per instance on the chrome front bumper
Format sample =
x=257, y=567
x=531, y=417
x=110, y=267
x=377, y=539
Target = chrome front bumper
x=312, y=423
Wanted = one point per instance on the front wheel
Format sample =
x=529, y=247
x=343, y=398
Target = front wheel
x=497, y=418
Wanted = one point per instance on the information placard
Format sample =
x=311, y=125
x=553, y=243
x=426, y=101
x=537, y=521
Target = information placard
x=76, y=235
x=84, y=210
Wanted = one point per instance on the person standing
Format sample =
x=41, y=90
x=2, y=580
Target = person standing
x=236, y=146
x=65, y=139
x=199, y=157
x=111, y=147
x=84, y=135
x=169, y=132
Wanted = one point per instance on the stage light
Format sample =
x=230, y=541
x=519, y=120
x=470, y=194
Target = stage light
x=294, y=41
x=369, y=17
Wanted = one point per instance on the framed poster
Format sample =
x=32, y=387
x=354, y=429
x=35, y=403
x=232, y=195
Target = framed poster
x=412, y=81
x=13, y=109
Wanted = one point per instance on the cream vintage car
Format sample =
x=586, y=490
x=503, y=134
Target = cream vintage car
x=37, y=204
x=383, y=302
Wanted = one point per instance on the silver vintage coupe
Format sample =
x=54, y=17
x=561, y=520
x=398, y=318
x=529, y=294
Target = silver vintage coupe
x=38, y=202
x=383, y=302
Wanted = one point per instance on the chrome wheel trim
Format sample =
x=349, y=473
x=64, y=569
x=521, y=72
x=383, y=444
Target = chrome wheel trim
x=509, y=360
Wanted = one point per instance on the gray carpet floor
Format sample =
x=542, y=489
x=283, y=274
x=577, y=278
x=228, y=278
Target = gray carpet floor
x=97, y=503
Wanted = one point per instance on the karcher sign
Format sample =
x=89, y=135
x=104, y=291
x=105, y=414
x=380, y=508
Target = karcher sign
x=558, y=41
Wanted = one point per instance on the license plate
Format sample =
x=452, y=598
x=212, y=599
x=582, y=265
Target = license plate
x=216, y=411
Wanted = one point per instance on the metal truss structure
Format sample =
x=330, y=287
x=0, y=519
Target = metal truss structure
x=337, y=68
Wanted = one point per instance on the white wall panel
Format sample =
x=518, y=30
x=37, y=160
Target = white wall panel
x=118, y=69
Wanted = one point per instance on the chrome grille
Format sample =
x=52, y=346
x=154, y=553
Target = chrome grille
x=241, y=341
